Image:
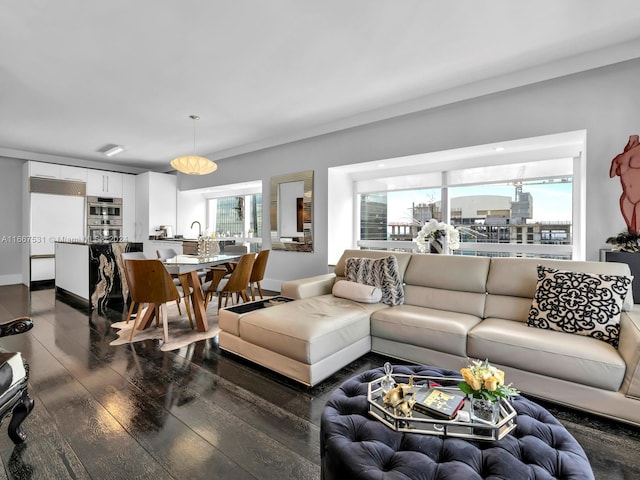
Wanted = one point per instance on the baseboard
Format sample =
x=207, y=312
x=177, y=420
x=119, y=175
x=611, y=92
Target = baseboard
x=74, y=300
x=42, y=285
x=10, y=279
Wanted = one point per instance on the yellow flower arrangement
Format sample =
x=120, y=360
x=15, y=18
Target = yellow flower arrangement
x=482, y=380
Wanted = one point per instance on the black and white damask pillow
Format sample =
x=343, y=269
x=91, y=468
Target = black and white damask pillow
x=378, y=272
x=580, y=303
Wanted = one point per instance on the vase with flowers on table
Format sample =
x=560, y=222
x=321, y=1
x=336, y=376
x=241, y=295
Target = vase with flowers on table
x=437, y=237
x=484, y=385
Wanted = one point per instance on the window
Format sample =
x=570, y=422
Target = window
x=530, y=212
x=235, y=216
x=509, y=209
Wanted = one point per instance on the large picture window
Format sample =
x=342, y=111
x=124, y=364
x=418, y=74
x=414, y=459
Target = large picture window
x=519, y=209
x=235, y=216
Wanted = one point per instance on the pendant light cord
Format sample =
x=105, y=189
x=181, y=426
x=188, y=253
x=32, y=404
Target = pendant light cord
x=194, y=118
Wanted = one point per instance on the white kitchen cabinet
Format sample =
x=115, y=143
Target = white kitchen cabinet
x=75, y=174
x=156, y=203
x=151, y=246
x=72, y=268
x=104, y=184
x=52, y=218
x=44, y=170
x=57, y=172
x=129, y=207
x=43, y=269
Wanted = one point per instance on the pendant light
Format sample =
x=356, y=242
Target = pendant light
x=194, y=164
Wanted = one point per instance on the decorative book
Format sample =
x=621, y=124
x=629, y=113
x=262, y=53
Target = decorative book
x=438, y=403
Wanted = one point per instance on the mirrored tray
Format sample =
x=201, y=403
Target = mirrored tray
x=424, y=424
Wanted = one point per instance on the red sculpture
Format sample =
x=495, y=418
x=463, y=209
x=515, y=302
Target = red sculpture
x=627, y=166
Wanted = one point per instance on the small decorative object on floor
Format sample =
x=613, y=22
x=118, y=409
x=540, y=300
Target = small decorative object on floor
x=484, y=383
x=439, y=237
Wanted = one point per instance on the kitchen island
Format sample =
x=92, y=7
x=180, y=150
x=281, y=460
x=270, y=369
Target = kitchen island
x=92, y=273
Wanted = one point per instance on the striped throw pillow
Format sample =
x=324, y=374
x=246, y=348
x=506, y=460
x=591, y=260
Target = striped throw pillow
x=378, y=272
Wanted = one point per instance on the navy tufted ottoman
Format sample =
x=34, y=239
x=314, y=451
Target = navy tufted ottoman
x=354, y=445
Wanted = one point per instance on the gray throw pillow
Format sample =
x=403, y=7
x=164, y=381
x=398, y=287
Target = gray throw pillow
x=378, y=272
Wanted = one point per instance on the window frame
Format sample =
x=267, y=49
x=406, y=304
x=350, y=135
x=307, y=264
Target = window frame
x=575, y=250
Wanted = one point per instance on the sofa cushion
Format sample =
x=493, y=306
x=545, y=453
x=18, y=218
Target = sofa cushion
x=580, y=303
x=310, y=329
x=358, y=292
x=447, y=282
x=511, y=280
x=440, y=330
x=448, y=272
x=379, y=272
x=574, y=358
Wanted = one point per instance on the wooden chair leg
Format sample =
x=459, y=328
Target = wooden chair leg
x=178, y=304
x=260, y=290
x=130, y=312
x=135, y=324
x=208, y=298
x=253, y=293
x=185, y=283
x=157, y=315
x=186, y=303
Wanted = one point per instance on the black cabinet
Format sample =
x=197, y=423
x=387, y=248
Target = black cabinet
x=633, y=260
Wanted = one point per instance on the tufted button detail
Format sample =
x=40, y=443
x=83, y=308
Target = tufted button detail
x=354, y=445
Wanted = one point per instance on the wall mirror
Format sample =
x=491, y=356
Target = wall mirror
x=292, y=212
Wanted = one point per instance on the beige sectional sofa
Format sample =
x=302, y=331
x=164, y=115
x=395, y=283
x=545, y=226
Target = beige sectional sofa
x=455, y=308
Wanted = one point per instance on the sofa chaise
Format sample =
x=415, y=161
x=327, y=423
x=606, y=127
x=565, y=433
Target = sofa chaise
x=456, y=308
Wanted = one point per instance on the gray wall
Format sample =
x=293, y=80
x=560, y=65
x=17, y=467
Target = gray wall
x=603, y=101
x=10, y=220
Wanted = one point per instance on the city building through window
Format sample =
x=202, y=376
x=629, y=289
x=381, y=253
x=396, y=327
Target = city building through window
x=235, y=216
x=529, y=212
x=525, y=201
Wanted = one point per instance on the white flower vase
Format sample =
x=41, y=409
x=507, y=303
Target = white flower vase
x=439, y=245
x=485, y=411
x=435, y=245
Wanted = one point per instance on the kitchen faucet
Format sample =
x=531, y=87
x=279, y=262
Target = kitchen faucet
x=199, y=227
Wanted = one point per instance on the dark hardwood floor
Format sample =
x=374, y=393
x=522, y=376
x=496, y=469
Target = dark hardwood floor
x=132, y=411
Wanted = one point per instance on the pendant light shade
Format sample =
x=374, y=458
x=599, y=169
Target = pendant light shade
x=194, y=164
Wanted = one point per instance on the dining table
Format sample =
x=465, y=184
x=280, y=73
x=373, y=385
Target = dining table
x=186, y=268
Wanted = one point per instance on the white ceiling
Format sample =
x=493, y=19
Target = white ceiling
x=76, y=75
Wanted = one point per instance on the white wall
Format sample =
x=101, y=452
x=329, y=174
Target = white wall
x=603, y=101
x=191, y=208
x=11, y=186
x=344, y=217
